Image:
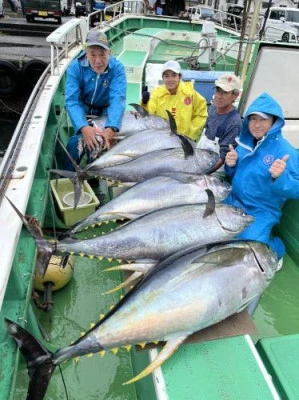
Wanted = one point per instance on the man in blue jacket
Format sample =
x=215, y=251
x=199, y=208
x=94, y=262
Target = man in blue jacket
x=95, y=85
x=264, y=169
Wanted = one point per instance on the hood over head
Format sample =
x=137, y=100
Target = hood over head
x=264, y=104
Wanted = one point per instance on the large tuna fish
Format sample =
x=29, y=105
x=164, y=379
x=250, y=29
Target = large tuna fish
x=138, y=144
x=153, y=236
x=158, y=163
x=158, y=234
x=184, y=294
x=136, y=122
x=156, y=193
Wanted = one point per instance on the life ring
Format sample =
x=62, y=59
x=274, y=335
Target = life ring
x=9, y=77
x=32, y=71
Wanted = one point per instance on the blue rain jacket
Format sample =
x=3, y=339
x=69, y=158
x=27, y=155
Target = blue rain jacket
x=253, y=188
x=89, y=93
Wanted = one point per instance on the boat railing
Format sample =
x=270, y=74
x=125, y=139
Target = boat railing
x=234, y=22
x=226, y=19
x=70, y=34
x=115, y=11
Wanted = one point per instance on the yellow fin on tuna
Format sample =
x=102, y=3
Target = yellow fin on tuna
x=132, y=278
x=170, y=347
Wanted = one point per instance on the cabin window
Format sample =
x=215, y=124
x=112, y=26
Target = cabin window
x=293, y=16
x=277, y=14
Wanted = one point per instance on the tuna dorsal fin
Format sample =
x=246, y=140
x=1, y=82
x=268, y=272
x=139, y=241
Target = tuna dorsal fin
x=170, y=347
x=210, y=207
x=172, y=122
x=186, y=144
x=142, y=111
x=77, y=178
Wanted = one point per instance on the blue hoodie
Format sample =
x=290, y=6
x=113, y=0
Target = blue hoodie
x=99, y=94
x=253, y=188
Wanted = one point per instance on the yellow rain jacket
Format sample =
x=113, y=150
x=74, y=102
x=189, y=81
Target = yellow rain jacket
x=187, y=106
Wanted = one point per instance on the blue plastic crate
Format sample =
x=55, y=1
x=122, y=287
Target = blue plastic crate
x=204, y=81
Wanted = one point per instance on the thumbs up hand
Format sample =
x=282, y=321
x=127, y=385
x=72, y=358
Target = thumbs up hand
x=231, y=156
x=278, y=166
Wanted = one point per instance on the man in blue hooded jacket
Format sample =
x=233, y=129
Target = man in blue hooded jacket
x=95, y=85
x=264, y=169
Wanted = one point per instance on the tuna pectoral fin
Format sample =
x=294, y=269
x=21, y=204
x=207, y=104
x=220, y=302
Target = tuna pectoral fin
x=38, y=360
x=170, y=347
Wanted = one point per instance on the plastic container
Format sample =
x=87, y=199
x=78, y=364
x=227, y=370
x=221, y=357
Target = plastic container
x=69, y=199
x=63, y=187
x=204, y=81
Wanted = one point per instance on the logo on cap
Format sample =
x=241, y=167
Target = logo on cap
x=102, y=38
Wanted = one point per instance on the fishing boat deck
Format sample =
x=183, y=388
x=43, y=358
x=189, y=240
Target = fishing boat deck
x=207, y=370
x=79, y=304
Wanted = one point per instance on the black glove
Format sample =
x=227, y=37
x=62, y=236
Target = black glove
x=145, y=95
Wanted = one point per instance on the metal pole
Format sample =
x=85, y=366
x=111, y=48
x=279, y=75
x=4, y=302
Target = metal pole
x=243, y=31
x=251, y=38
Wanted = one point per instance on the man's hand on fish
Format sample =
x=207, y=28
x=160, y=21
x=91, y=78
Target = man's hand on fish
x=231, y=156
x=278, y=166
x=109, y=137
x=89, y=138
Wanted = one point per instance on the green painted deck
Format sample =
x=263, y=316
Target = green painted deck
x=76, y=306
x=219, y=369
x=133, y=94
x=281, y=357
x=132, y=58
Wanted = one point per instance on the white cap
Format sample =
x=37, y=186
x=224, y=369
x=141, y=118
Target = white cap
x=228, y=82
x=172, y=66
x=261, y=114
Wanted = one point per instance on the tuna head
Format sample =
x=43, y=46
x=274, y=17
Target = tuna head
x=218, y=186
x=233, y=219
x=266, y=258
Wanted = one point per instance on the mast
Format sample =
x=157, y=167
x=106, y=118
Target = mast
x=251, y=38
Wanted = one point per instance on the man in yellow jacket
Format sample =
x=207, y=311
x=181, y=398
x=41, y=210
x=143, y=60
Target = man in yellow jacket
x=187, y=106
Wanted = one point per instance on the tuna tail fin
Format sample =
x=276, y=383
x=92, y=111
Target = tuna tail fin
x=38, y=360
x=77, y=178
x=45, y=249
x=170, y=347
